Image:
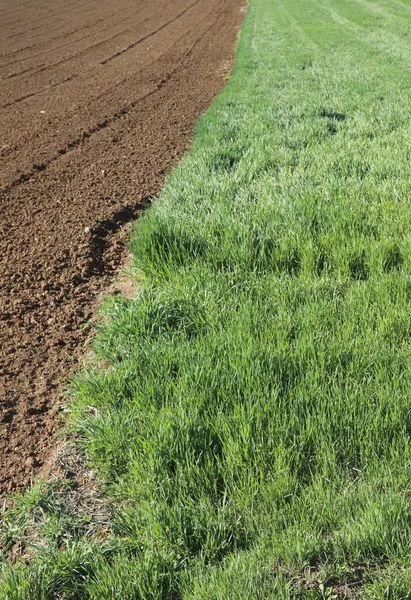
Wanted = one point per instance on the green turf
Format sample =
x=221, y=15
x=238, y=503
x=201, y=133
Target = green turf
x=250, y=412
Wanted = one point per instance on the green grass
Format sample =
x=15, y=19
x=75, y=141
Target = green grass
x=251, y=408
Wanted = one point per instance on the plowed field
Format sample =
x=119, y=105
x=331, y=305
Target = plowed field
x=97, y=102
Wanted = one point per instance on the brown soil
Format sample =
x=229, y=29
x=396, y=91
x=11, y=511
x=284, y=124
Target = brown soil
x=97, y=102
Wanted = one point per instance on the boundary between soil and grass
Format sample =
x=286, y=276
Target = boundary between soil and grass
x=248, y=412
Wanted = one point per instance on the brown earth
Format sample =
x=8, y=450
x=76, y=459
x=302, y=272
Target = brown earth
x=97, y=102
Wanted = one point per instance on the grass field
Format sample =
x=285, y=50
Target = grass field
x=249, y=412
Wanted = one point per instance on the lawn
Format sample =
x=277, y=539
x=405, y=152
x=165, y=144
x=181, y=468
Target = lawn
x=249, y=411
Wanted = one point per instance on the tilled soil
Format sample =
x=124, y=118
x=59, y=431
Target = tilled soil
x=97, y=102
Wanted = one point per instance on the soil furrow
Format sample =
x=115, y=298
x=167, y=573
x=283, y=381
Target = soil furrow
x=71, y=145
x=47, y=43
x=73, y=58
x=78, y=163
x=149, y=35
x=104, y=104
